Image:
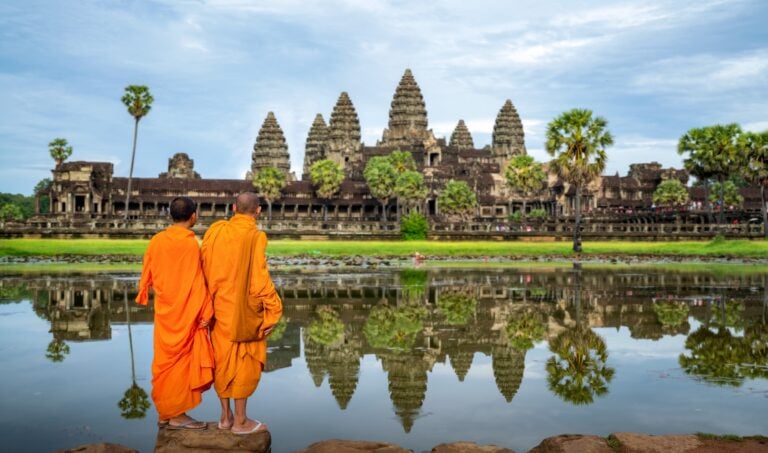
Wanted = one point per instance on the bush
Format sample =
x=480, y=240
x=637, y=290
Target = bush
x=538, y=214
x=414, y=227
x=515, y=216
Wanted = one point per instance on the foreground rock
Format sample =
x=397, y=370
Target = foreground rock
x=211, y=440
x=469, y=447
x=573, y=443
x=98, y=448
x=643, y=443
x=352, y=446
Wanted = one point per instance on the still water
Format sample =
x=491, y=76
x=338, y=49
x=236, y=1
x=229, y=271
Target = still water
x=415, y=357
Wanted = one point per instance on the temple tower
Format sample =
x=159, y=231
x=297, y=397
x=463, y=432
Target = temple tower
x=180, y=166
x=508, y=137
x=461, y=138
x=271, y=149
x=314, y=149
x=344, y=134
x=407, y=117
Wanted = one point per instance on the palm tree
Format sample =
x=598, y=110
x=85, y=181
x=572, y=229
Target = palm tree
x=381, y=176
x=457, y=199
x=714, y=151
x=755, y=147
x=60, y=150
x=138, y=100
x=577, y=141
x=57, y=351
x=327, y=175
x=525, y=176
x=410, y=189
x=269, y=181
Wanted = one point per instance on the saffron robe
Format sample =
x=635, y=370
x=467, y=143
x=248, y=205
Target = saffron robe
x=238, y=364
x=182, y=366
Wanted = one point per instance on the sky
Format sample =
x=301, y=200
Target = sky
x=653, y=69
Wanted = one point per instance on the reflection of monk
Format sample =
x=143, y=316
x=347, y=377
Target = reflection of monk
x=182, y=367
x=239, y=363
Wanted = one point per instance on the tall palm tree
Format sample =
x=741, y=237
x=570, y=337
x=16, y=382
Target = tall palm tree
x=269, y=181
x=755, y=147
x=138, y=100
x=577, y=141
x=715, y=150
x=525, y=176
x=327, y=175
x=59, y=150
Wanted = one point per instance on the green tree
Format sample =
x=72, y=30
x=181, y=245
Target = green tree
x=278, y=331
x=410, y=189
x=714, y=151
x=381, y=177
x=524, y=330
x=578, y=143
x=60, y=150
x=394, y=327
x=755, y=148
x=134, y=403
x=525, y=177
x=457, y=308
x=269, y=181
x=327, y=175
x=456, y=199
x=727, y=193
x=139, y=101
x=402, y=161
x=10, y=211
x=57, y=351
x=327, y=329
x=414, y=227
x=670, y=193
x=578, y=371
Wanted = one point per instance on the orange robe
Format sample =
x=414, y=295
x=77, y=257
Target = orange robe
x=182, y=367
x=238, y=365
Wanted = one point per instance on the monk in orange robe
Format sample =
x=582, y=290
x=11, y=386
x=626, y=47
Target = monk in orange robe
x=182, y=367
x=233, y=256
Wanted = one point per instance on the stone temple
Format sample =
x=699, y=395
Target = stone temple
x=89, y=189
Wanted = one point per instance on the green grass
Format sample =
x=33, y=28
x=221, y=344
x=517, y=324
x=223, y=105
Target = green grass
x=734, y=248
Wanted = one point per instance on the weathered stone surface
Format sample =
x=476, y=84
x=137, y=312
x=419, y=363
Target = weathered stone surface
x=469, y=447
x=352, y=446
x=407, y=116
x=461, y=138
x=99, y=448
x=643, y=443
x=180, y=166
x=314, y=149
x=270, y=149
x=211, y=440
x=344, y=133
x=573, y=443
x=508, y=365
x=508, y=136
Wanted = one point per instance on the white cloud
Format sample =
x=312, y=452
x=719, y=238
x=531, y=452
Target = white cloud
x=757, y=126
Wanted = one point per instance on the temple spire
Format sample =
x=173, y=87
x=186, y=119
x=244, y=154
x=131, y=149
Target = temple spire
x=344, y=133
x=461, y=138
x=407, y=115
x=508, y=136
x=270, y=149
x=314, y=149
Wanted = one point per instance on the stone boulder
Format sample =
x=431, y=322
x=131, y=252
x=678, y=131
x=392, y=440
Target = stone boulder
x=644, y=443
x=211, y=440
x=469, y=447
x=352, y=446
x=573, y=443
x=98, y=448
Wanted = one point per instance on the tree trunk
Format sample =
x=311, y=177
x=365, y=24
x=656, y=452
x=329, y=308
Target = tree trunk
x=269, y=209
x=383, y=210
x=577, y=227
x=325, y=211
x=721, y=216
x=763, y=210
x=130, y=173
x=523, y=212
x=710, y=218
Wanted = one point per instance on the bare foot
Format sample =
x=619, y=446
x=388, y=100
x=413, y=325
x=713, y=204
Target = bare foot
x=184, y=421
x=249, y=426
x=227, y=420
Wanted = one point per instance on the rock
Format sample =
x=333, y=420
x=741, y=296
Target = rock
x=212, y=439
x=573, y=443
x=469, y=447
x=642, y=443
x=99, y=448
x=353, y=446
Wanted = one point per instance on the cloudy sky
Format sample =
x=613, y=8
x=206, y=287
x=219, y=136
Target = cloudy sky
x=653, y=69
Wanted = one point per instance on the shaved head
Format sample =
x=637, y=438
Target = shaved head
x=247, y=203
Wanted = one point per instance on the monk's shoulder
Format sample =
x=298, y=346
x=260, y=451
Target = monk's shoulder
x=215, y=226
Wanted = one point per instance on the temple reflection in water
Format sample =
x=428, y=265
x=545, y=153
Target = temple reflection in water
x=411, y=320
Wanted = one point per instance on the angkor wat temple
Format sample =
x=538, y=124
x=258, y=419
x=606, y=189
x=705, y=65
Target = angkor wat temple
x=89, y=190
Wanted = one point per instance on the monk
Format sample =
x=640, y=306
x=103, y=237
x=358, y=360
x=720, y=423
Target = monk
x=233, y=257
x=182, y=366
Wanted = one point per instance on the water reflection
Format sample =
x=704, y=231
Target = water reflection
x=412, y=320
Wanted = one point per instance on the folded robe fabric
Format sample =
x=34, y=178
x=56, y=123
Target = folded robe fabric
x=182, y=366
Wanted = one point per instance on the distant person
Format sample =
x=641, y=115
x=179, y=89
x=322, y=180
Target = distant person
x=182, y=367
x=246, y=307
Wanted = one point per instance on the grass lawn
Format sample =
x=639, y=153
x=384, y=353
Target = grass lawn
x=734, y=248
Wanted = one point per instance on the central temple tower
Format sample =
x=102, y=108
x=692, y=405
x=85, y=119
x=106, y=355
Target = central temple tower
x=407, y=117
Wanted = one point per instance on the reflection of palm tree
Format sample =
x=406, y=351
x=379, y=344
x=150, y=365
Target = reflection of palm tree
x=394, y=327
x=57, y=351
x=457, y=308
x=721, y=358
x=578, y=371
x=278, y=330
x=414, y=283
x=525, y=330
x=135, y=402
x=327, y=329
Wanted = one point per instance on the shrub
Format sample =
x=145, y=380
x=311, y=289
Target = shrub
x=539, y=214
x=515, y=216
x=414, y=227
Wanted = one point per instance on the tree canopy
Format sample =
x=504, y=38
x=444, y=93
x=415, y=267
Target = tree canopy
x=456, y=199
x=381, y=177
x=327, y=175
x=670, y=192
x=60, y=150
x=269, y=181
x=525, y=176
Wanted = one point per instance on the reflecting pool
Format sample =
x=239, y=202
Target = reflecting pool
x=411, y=356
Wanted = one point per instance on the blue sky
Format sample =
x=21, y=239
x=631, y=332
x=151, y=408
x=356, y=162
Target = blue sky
x=653, y=69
